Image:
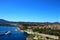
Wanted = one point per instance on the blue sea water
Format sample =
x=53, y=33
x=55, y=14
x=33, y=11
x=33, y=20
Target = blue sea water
x=15, y=33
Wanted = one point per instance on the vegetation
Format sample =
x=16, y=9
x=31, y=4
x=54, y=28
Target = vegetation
x=6, y=25
x=48, y=31
x=31, y=37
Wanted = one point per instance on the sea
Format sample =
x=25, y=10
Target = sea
x=15, y=33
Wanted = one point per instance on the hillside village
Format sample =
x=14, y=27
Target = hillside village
x=52, y=31
x=41, y=26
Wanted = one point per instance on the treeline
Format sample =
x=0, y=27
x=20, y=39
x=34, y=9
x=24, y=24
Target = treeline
x=6, y=25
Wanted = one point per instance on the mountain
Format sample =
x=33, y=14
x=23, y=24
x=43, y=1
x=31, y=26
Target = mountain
x=2, y=21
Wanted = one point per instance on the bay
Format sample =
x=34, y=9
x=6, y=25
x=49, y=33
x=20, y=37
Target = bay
x=15, y=34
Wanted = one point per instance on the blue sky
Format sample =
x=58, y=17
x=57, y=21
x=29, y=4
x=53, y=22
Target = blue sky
x=30, y=10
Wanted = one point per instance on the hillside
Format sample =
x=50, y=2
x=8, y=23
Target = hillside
x=32, y=25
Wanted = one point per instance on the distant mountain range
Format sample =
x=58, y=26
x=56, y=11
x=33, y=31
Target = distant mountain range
x=2, y=21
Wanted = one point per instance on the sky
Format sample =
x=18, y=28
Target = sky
x=30, y=10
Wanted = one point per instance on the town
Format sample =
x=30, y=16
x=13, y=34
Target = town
x=42, y=31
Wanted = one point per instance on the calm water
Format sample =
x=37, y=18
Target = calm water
x=15, y=33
